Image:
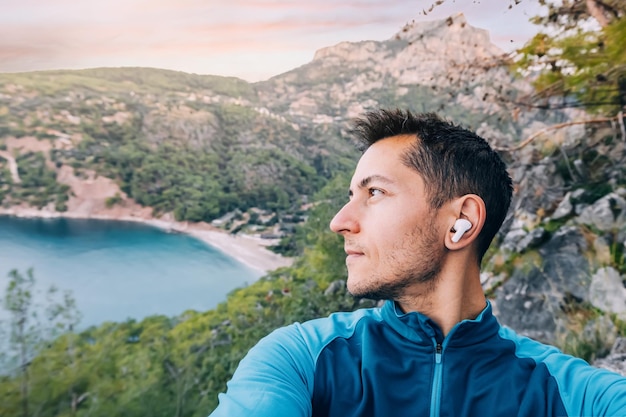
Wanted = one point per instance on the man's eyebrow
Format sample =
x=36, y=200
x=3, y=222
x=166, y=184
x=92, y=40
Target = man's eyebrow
x=367, y=180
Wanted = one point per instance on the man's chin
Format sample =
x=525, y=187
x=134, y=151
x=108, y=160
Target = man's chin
x=367, y=287
x=353, y=286
x=356, y=288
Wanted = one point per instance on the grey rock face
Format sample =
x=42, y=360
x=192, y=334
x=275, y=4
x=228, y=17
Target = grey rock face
x=335, y=287
x=531, y=301
x=607, y=292
x=524, y=304
x=532, y=239
x=515, y=234
x=616, y=360
x=605, y=214
x=564, y=208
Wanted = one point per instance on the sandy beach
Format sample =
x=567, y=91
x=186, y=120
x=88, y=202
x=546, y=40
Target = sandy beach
x=88, y=200
x=249, y=250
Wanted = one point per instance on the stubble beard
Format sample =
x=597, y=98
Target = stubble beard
x=409, y=269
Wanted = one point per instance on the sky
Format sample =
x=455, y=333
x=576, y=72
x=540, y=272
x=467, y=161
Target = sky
x=249, y=39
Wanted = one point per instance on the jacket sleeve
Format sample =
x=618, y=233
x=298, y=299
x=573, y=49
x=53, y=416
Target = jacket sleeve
x=590, y=391
x=604, y=393
x=275, y=379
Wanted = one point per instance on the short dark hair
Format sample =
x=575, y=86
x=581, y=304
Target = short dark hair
x=452, y=160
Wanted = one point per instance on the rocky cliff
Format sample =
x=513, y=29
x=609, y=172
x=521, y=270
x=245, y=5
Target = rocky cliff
x=444, y=65
x=558, y=273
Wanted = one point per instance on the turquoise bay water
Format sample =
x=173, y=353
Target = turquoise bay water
x=119, y=270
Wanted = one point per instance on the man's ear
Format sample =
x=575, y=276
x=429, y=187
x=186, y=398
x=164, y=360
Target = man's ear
x=466, y=220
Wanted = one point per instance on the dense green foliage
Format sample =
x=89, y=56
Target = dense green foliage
x=30, y=326
x=38, y=184
x=195, y=146
x=580, y=64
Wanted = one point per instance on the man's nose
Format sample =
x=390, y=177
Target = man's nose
x=345, y=221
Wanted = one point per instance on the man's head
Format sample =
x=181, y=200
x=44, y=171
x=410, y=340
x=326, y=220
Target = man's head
x=413, y=166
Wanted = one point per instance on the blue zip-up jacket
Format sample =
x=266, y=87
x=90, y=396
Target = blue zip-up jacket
x=381, y=362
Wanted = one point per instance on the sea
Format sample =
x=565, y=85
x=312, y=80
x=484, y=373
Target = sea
x=118, y=270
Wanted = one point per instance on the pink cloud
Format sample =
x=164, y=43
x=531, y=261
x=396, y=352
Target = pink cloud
x=68, y=33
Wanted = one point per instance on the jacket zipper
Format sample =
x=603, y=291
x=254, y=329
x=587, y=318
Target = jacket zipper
x=435, y=398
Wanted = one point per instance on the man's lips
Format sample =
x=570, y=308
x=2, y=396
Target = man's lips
x=353, y=253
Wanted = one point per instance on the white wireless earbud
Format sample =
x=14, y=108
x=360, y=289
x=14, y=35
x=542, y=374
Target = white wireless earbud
x=460, y=226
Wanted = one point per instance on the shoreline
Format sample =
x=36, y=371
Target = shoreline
x=250, y=251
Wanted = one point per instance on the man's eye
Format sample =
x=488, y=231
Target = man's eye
x=375, y=191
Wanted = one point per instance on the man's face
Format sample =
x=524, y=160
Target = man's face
x=392, y=236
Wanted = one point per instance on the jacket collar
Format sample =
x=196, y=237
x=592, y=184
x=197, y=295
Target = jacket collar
x=419, y=328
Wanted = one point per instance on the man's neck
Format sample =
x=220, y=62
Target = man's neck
x=455, y=295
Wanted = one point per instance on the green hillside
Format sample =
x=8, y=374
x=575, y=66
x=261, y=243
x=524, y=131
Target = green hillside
x=195, y=146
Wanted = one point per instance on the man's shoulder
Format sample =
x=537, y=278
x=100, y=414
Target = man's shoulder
x=344, y=320
x=318, y=333
x=341, y=323
x=559, y=365
x=585, y=389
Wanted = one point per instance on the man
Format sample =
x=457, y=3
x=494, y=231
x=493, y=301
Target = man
x=426, y=199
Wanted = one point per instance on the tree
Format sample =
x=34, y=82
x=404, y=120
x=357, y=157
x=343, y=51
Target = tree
x=22, y=338
x=580, y=55
x=27, y=331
